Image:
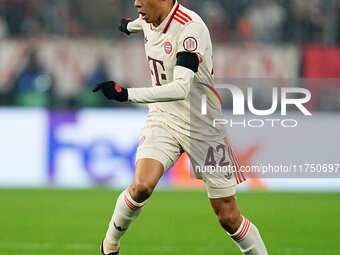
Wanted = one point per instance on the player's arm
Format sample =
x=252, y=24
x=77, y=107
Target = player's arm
x=184, y=71
x=129, y=26
x=191, y=47
x=188, y=60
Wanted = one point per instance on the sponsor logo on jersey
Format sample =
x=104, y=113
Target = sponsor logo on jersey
x=167, y=47
x=190, y=44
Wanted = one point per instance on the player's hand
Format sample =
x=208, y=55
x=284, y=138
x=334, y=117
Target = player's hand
x=112, y=90
x=123, y=26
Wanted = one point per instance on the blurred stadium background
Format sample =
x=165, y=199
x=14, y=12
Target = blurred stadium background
x=55, y=133
x=52, y=53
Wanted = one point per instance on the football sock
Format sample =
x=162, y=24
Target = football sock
x=125, y=212
x=248, y=239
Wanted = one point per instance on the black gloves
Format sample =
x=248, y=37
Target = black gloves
x=123, y=26
x=112, y=90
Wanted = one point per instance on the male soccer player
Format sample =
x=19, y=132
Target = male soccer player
x=179, y=52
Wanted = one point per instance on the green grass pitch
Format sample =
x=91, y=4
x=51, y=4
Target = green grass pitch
x=61, y=222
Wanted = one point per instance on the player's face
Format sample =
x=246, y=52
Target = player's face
x=150, y=10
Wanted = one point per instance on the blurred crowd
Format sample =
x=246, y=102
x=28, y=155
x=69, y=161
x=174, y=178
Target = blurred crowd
x=270, y=21
x=33, y=84
x=275, y=22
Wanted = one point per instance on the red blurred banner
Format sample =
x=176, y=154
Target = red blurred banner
x=321, y=62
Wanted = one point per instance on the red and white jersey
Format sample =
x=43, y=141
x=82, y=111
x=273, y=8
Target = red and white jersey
x=182, y=30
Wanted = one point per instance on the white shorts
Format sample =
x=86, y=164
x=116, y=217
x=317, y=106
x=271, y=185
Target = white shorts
x=165, y=144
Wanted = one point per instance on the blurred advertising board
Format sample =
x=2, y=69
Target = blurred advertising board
x=90, y=147
x=23, y=140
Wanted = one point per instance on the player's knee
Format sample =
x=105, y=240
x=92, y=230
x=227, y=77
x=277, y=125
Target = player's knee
x=141, y=191
x=225, y=218
x=229, y=220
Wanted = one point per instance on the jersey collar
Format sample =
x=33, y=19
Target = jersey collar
x=163, y=27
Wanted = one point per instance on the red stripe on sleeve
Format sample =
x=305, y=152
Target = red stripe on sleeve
x=175, y=18
x=180, y=16
x=198, y=57
x=186, y=15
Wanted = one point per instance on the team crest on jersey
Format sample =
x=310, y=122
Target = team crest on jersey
x=167, y=47
x=190, y=44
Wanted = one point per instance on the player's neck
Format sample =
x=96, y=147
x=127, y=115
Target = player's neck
x=166, y=9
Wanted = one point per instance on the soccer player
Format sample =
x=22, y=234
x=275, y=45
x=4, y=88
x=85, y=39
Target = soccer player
x=179, y=52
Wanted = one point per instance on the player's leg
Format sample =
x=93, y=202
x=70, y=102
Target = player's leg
x=131, y=201
x=156, y=153
x=244, y=233
x=221, y=188
x=148, y=172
